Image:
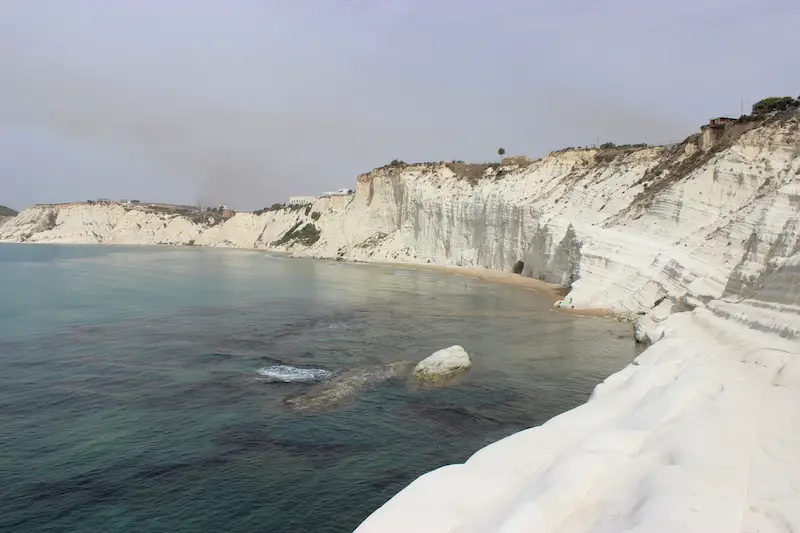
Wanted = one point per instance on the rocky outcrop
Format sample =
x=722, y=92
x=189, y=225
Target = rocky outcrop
x=443, y=365
x=643, y=232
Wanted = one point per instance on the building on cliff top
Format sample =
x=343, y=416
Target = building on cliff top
x=718, y=122
x=718, y=127
x=339, y=192
x=300, y=200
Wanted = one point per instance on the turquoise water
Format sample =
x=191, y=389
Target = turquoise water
x=130, y=398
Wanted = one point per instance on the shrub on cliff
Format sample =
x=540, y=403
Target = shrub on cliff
x=775, y=103
x=307, y=235
x=273, y=207
x=611, y=146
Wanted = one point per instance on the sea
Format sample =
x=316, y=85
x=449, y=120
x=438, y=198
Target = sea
x=144, y=388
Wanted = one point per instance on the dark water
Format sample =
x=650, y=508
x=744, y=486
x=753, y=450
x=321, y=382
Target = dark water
x=130, y=399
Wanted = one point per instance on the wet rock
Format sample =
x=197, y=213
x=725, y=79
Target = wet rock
x=443, y=365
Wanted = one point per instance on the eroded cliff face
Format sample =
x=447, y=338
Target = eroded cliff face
x=112, y=224
x=644, y=232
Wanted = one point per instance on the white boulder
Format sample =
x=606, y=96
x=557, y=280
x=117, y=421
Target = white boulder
x=443, y=365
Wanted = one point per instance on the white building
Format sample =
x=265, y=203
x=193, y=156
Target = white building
x=301, y=200
x=340, y=192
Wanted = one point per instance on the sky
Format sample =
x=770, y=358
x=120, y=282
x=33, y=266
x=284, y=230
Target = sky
x=246, y=102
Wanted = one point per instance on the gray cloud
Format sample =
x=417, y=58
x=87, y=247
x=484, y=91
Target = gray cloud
x=246, y=102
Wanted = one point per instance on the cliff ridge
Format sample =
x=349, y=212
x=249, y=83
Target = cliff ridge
x=642, y=231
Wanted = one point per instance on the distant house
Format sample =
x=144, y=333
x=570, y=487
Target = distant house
x=713, y=131
x=720, y=121
x=339, y=192
x=301, y=200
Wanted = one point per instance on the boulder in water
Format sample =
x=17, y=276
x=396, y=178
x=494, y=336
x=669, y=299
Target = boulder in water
x=443, y=365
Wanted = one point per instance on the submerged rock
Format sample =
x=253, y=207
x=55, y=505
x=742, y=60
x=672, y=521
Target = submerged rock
x=346, y=385
x=443, y=365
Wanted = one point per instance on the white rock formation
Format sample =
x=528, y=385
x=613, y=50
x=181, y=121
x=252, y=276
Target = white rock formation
x=700, y=242
x=113, y=224
x=443, y=364
x=701, y=433
x=625, y=229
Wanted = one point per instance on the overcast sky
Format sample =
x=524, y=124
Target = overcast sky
x=246, y=102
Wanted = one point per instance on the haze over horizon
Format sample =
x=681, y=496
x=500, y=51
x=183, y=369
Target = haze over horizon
x=247, y=102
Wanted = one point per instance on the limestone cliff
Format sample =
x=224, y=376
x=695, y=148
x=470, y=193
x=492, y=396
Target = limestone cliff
x=100, y=223
x=641, y=231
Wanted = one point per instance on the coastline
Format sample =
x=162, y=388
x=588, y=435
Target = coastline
x=553, y=291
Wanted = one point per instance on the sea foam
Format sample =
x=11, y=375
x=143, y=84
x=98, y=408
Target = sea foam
x=292, y=374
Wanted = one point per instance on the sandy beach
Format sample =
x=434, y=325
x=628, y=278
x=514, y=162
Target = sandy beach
x=554, y=291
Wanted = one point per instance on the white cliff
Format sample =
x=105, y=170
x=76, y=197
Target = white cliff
x=700, y=242
x=701, y=433
x=641, y=232
x=113, y=224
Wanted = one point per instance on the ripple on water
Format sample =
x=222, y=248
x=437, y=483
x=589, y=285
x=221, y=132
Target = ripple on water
x=293, y=374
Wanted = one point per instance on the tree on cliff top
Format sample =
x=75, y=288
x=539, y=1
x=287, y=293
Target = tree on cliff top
x=501, y=152
x=774, y=103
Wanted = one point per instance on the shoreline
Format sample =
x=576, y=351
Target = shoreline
x=553, y=291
